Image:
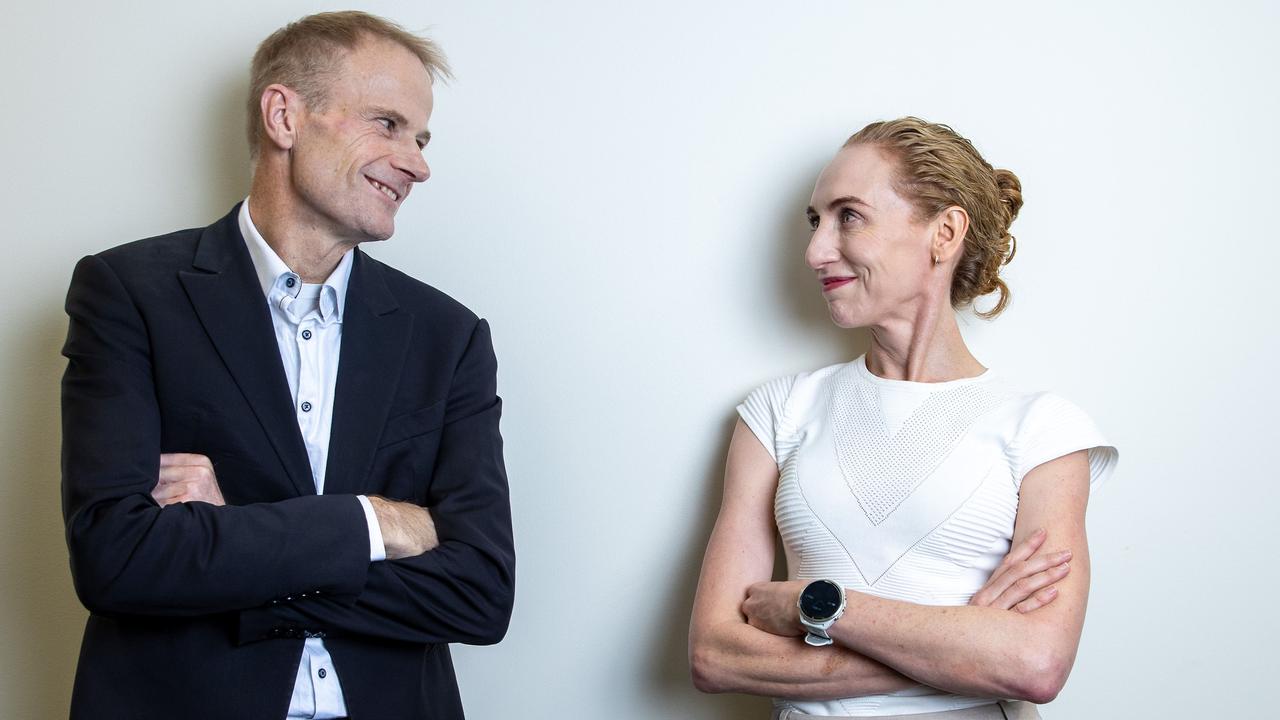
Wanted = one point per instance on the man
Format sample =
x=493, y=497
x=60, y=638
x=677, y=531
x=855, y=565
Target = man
x=282, y=474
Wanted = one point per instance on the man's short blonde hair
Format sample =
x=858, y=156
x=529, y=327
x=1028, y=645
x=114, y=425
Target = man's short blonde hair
x=305, y=55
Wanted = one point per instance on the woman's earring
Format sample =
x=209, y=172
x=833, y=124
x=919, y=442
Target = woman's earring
x=936, y=260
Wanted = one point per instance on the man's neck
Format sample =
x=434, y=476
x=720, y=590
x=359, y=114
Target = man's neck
x=298, y=238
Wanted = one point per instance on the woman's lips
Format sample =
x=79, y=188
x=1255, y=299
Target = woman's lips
x=829, y=284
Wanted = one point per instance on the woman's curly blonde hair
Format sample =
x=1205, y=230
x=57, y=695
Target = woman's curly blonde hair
x=938, y=169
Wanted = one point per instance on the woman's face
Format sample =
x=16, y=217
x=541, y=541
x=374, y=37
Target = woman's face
x=873, y=259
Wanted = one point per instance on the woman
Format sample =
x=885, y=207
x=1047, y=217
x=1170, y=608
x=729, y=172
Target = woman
x=900, y=480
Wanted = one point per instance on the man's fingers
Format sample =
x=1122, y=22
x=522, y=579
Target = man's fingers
x=179, y=459
x=173, y=474
x=169, y=494
x=185, y=491
x=187, y=473
x=1037, y=601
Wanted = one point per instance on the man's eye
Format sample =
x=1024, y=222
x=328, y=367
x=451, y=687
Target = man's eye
x=387, y=123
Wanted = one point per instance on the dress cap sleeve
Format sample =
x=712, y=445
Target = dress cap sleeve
x=1053, y=427
x=763, y=412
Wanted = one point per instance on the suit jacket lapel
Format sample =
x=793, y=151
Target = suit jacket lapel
x=375, y=336
x=228, y=300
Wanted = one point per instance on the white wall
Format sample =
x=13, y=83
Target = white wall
x=619, y=190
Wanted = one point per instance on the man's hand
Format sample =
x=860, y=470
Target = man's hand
x=1023, y=582
x=407, y=529
x=186, y=477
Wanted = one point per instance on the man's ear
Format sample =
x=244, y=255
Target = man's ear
x=281, y=108
x=951, y=226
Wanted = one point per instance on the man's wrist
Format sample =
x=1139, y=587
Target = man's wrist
x=377, y=547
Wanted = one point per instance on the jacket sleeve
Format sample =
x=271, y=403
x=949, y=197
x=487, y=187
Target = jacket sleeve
x=128, y=555
x=461, y=591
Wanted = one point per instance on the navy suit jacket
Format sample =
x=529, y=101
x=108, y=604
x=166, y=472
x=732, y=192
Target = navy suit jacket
x=199, y=611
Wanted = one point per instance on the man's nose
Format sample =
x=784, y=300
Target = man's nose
x=413, y=164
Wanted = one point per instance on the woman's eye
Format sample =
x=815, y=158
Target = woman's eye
x=847, y=215
x=813, y=222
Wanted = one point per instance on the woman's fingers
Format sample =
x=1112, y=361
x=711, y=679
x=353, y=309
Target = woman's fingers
x=1013, y=585
x=1020, y=553
x=1027, y=587
x=1037, y=601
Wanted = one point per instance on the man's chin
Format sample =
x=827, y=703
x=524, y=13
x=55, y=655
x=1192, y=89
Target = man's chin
x=380, y=232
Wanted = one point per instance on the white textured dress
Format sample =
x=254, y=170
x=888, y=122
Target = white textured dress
x=906, y=490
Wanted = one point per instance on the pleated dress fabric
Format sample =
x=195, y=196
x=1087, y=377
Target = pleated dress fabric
x=906, y=490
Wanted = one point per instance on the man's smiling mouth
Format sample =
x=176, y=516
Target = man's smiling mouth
x=395, y=196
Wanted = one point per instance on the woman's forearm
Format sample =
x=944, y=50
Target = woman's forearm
x=981, y=650
x=969, y=650
x=735, y=657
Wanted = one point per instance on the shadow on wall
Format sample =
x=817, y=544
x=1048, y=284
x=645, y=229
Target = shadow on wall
x=37, y=579
x=669, y=663
x=37, y=573
x=795, y=283
x=228, y=152
x=795, y=287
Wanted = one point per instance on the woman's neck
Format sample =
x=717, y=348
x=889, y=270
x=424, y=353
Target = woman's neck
x=925, y=348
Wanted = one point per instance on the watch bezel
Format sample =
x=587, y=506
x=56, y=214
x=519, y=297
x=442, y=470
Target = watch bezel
x=835, y=614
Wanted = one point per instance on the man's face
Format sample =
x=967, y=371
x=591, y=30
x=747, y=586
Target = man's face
x=354, y=162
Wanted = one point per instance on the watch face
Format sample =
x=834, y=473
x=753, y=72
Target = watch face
x=820, y=600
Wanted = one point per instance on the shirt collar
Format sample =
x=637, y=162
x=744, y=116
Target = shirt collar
x=273, y=274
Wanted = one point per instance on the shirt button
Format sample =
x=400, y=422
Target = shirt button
x=322, y=673
x=306, y=407
x=290, y=282
x=306, y=334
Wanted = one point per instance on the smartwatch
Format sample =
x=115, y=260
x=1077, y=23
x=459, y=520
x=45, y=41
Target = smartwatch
x=821, y=604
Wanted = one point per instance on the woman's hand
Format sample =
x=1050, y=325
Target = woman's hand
x=771, y=606
x=1024, y=580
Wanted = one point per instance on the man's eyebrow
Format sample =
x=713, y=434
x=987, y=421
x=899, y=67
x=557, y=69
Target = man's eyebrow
x=423, y=137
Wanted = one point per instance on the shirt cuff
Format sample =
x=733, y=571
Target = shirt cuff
x=376, y=549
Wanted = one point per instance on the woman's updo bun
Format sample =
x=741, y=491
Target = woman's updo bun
x=938, y=169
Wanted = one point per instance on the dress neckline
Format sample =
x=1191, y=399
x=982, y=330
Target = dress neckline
x=860, y=367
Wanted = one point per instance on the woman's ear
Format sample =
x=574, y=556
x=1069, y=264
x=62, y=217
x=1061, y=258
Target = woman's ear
x=950, y=228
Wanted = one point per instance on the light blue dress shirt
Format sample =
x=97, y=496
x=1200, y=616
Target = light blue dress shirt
x=308, y=326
